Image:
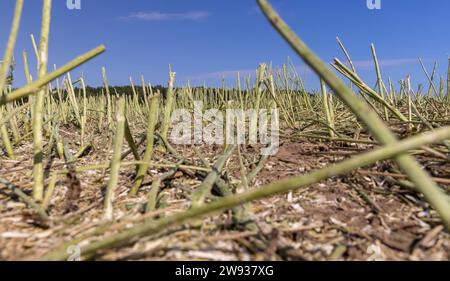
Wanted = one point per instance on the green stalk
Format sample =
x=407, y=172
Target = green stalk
x=152, y=197
x=130, y=141
x=428, y=77
x=73, y=99
x=327, y=108
x=31, y=88
x=409, y=102
x=259, y=85
x=346, y=54
x=38, y=118
x=379, y=80
x=135, y=96
x=430, y=88
x=204, y=189
x=36, y=51
x=144, y=91
x=115, y=161
x=13, y=124
x=152, y=120
x=108, y=96
x=84, y=116
x=6, y=141
x=243, y=214
x=26, y=69
x=241, y=98
x=168, y=106
x=366, y=89
x=10, y=45
x=29, y=80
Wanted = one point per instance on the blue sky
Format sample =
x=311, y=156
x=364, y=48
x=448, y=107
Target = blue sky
x=205, y=40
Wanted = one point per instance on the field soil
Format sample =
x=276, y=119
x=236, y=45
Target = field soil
x=364, y=215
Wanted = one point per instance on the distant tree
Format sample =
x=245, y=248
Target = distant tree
x=121, y=90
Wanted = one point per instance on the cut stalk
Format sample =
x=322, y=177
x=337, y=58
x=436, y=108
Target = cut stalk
x=204, y=189
x=410, y=125
x=428, y=77
x=108, y=96
x=327, y=108
x=130, y=140
x=379, y=80
x=84, y=116
x=6, y=141
x=115, y=161
x=142, y=170
x=168, y=105
x=38, y=116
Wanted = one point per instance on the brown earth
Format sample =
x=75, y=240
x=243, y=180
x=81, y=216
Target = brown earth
x=358, y=216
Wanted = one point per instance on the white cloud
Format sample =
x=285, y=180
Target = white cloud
x=232, y=74
x=303, y=69
x=223, y=74
x=160, y=16
x=369, y=64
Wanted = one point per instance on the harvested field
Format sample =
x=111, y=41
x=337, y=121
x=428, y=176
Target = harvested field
x=345, y=172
